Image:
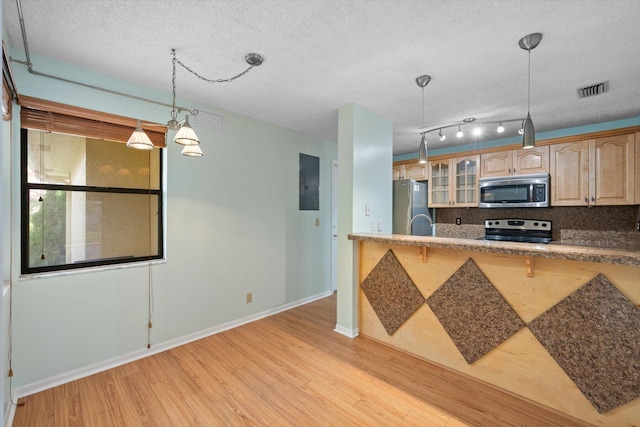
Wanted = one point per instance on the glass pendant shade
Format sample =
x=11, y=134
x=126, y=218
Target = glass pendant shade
x=139, y=139
x=186, y=135
x=192, y=151
x=423, y=150
x=529, y=134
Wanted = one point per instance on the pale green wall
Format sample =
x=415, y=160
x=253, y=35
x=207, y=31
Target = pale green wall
x=364, y=157
x=232, y=227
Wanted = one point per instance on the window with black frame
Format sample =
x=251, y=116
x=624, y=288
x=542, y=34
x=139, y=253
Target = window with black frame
x=88, y=202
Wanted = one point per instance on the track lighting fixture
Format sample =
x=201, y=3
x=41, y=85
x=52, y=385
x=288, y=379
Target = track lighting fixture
x=459, y=134
x=500, y=128
x=441, y=136
x=477, y=131
x=521, y=130
x=422, y=81
x=528, y=43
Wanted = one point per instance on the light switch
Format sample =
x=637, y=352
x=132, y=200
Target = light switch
x=379, y=225
x=367, y=210
x=374, y=225
x=317, y=222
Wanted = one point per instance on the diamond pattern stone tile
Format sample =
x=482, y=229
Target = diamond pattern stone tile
x=472, y=311
x=594, y=335
x=391, y=292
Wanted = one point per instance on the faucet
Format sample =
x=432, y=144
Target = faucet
x=416, y=216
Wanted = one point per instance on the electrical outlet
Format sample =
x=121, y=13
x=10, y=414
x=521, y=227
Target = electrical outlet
x=367, y=210
x=379, y=225
x=317, y=222
x=458, y=221
x=249, y=297
x=638, y=226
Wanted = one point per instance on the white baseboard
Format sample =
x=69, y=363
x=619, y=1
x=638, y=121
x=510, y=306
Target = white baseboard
x=76, y=374
x=11, y=412
x=351, y=333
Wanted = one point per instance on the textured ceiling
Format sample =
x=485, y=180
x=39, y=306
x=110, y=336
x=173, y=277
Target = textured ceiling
x=323, y=54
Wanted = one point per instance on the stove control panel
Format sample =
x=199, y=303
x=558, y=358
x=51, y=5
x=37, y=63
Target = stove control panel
x=518, y=224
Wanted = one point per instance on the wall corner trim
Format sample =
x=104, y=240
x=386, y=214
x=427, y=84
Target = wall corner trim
x=350, y=333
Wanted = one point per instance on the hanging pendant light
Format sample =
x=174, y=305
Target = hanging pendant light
x=139, y=139
x=186, y=135
x=422, y=81
x=423, y=150
x=528, y=43
x=192, y=151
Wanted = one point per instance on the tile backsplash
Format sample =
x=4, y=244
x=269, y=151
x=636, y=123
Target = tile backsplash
x=597, y=218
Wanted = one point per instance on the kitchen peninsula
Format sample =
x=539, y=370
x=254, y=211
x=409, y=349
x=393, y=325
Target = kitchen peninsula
x=555, y=324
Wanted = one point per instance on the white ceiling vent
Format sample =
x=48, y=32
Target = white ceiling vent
x=207, y=120
x=593, y=90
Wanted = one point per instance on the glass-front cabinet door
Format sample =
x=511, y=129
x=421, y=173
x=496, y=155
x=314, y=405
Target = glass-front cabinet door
x=439, y=183
x=466, y=180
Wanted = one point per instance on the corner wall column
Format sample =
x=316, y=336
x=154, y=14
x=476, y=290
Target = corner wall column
x=365, y=156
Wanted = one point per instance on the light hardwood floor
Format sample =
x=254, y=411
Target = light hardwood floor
x=290, y=369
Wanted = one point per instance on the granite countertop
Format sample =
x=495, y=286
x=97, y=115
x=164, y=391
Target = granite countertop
x=558, y=251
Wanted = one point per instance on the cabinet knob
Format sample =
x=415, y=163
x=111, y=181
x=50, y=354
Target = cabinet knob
x=514, y=171
x=586, y=199
x=509, y=170
x=593, y=199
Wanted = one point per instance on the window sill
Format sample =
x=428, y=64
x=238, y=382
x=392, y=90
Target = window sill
x=50, y=274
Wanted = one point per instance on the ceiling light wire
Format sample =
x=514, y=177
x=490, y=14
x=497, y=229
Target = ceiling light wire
x=253, y=59
x=422, y=81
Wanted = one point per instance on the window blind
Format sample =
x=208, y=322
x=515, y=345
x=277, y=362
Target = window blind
x=60, y=118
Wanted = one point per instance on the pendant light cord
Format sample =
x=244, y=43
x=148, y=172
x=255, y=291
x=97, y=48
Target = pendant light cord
x=529, y=86
x=423, y=109
x=149, y=272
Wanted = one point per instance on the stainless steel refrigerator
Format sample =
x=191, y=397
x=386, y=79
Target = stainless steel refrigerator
x=410, y=199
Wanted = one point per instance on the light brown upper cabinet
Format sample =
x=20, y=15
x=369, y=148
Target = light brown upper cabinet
x=515, y=162
x=412, y=170
x=454, y=182
x=594, y=172
x=417, y=171
x=398, y=172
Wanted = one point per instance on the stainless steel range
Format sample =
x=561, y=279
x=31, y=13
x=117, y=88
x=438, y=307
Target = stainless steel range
x=518, y=230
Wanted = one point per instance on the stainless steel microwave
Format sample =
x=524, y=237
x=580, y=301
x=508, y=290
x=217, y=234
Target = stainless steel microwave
x=517, y=191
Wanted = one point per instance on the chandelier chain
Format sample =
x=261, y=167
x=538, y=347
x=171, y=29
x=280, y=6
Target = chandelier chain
x=174, y=114
x=175, y=59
